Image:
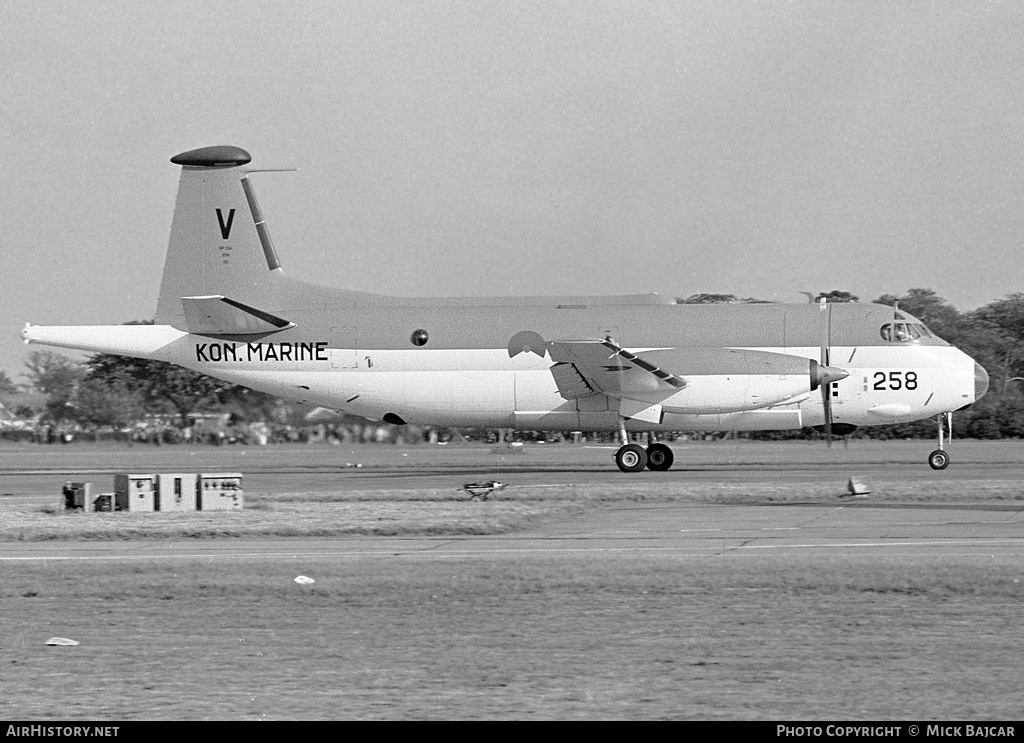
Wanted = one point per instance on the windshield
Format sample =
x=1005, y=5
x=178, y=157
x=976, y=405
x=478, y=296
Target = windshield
x=904, y=332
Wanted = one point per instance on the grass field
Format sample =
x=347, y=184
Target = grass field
x=448, y=511
x=643, y=639
x=290, y=517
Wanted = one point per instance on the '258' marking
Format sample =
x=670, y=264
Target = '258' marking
x=895, y=380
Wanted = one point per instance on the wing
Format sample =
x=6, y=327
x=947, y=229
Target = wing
x=586, y=366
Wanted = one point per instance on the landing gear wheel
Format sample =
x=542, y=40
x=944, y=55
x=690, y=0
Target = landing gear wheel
x=938, y=460
x=659, y=457
x=631, y=458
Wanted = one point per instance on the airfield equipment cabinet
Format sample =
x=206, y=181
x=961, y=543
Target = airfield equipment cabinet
x=76, y=495
x=176, y=492
x=219, y=491
x=135, y=492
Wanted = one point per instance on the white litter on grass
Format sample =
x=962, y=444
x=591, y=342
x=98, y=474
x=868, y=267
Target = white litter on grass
x=61, y=641
x=304, y=581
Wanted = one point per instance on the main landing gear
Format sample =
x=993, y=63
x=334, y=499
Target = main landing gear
x=635, y=458
x=939, y=459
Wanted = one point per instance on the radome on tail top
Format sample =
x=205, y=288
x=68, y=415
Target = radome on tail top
x=592, y=363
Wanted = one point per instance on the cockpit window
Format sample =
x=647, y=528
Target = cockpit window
x=904, y=332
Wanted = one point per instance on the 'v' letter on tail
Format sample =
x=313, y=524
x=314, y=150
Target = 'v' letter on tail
x=225, y=227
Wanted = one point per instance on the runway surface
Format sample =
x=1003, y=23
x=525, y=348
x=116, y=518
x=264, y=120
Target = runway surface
x=33, y=470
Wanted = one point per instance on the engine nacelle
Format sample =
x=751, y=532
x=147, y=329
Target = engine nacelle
x=724, y=380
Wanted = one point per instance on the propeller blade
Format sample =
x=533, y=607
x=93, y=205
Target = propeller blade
x=826, y=353
x=826, y=401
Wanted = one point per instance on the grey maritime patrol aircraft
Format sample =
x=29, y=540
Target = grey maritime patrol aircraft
x=579, y=363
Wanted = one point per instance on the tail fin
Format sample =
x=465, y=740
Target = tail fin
x=219, y=243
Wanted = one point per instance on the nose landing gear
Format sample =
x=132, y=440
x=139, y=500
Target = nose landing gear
x=939, y=459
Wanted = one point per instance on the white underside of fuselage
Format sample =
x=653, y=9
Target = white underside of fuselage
x=486, y=388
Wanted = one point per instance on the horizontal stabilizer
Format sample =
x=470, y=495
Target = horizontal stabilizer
x=217, y=315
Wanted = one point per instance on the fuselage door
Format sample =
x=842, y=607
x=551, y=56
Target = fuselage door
x=343, y=348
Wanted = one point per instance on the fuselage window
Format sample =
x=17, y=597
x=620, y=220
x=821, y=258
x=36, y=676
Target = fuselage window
x=419, y=337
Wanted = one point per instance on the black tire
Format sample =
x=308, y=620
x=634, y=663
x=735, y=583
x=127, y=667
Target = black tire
x=631, y=458
x=659, y=457
x=938, y=460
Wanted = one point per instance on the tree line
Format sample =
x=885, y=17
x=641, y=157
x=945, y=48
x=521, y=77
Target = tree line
x=116, y=392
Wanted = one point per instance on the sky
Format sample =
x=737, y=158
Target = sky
x=462, y=148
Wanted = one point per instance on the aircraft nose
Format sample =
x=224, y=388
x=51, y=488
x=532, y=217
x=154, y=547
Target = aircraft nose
x=980, y=381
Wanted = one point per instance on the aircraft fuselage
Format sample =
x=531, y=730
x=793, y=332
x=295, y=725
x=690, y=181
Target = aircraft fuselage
x=361, y=356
